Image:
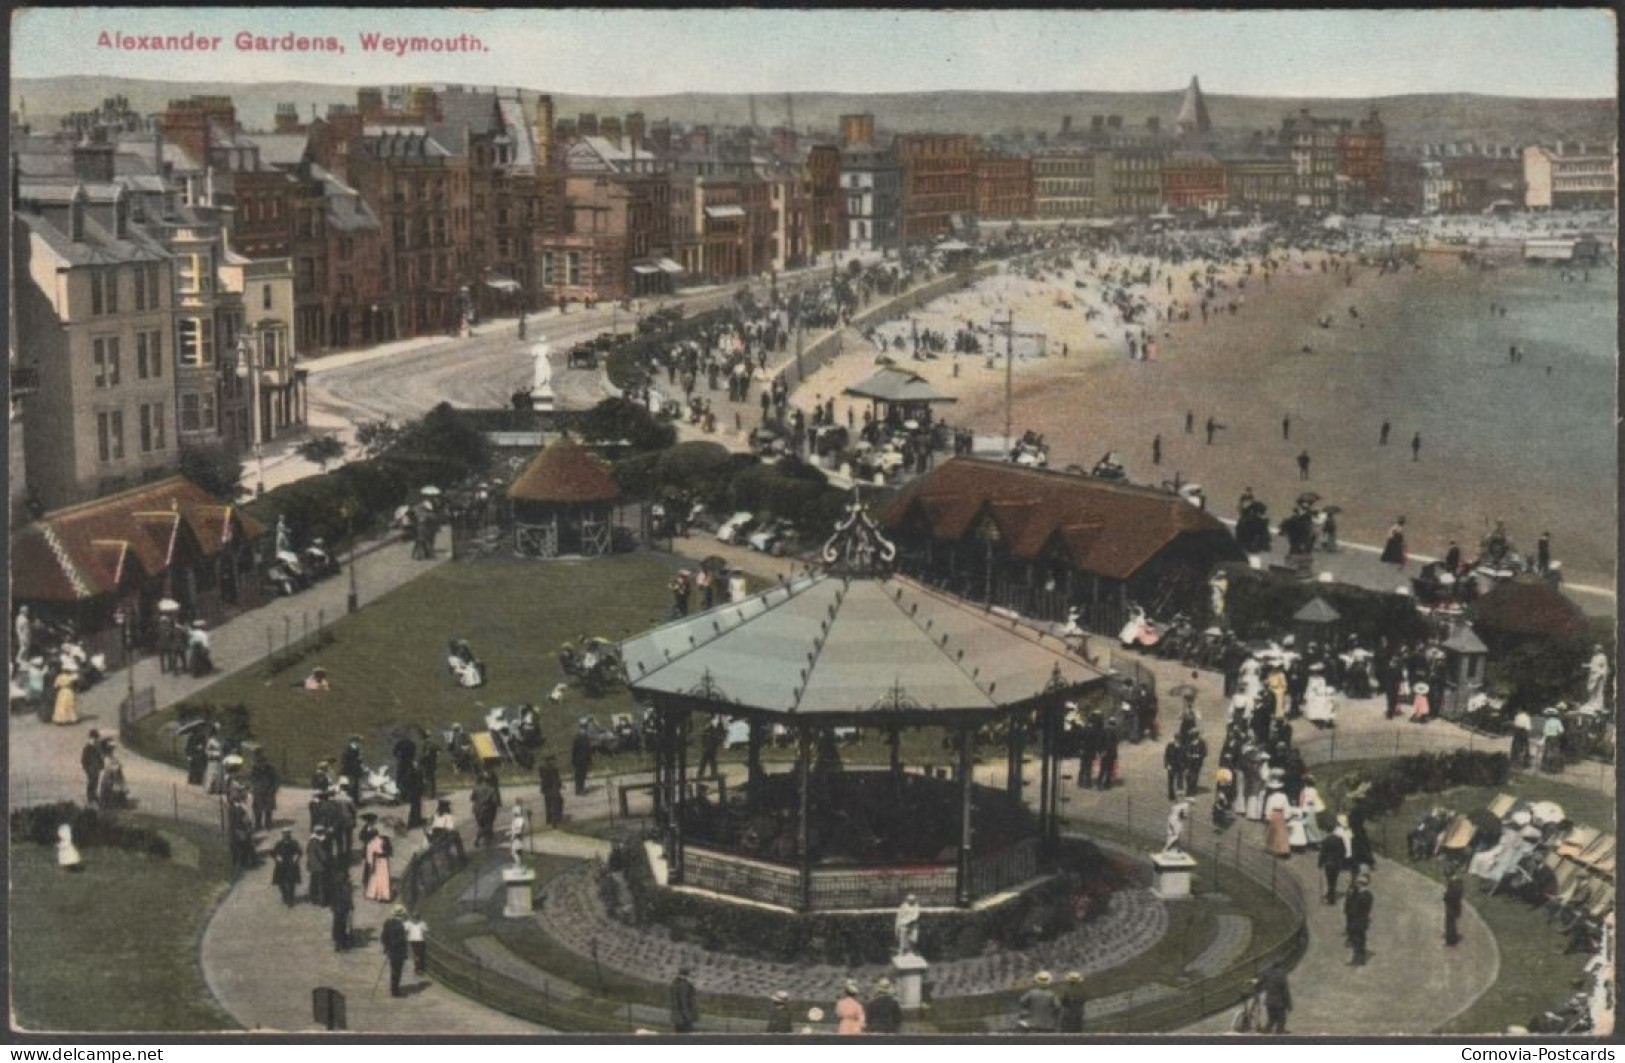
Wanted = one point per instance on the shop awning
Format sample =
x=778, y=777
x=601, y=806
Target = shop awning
x=503, y=284
x=644, y=268
x=669, y=266
x=728, y=211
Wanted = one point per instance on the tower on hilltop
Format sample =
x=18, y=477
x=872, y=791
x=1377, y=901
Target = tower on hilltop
x=1193, y=119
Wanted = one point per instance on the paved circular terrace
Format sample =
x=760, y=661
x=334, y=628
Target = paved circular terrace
x=574, y=915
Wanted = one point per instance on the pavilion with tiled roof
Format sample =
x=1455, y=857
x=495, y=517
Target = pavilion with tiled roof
x=170, y=539
x=857, y=646
x=563, y=503
x=1044, y=542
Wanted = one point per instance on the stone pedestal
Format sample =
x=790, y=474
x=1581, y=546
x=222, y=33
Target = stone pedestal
x=518, y=884
x=910, y=971
x=1173, y=875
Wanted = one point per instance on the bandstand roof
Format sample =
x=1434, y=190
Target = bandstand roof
x=852, y=644
x=1317, y=611
x=564, y=473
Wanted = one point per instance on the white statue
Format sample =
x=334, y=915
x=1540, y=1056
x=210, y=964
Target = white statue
x=517, y=828
x=1217, y=588
x=1596, y=681
x=67, y=854
x=908, y=927
x=1179, y=819
x=543, y=378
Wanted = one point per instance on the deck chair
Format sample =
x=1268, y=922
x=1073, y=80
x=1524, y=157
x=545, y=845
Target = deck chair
x=1502, y=806
x=1597, y=851
x=485, y=749
x=1458, y=836
x=1577, y=841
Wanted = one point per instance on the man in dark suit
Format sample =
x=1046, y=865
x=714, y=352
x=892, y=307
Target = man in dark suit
x=285, y=867
x=393, y=939
x=343, y=902
x=683, y=1002
x=1453, y=890
x=883, y=1014
x=552, y=782
x=1277, y=994
x=91, y=760
x=351, y=768
x=1357, y=918
x=319, y=866
x=581, y=757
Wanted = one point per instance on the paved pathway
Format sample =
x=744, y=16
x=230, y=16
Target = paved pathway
x=574, y=916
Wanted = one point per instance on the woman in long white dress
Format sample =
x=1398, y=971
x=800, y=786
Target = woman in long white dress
x=1319, y=707
x=1311, y=805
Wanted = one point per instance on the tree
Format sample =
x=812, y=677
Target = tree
x=215, y=469
x=613, y=420
x=377, y=437
x=321, y=450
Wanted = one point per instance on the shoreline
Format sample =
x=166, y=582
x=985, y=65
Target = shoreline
x=1481, y=420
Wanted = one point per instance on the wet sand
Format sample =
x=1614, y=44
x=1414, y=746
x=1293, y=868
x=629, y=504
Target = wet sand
x=1499, y=441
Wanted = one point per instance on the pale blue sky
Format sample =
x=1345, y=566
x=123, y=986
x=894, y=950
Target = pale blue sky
x=1523, y=52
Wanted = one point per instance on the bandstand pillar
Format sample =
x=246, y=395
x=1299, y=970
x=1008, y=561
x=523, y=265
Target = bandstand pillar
x=1013, y=780
x=753, y=763
x=680, y=737
x=1050, y=822
x=966, y=764
x=662, y=746
x=804, y=785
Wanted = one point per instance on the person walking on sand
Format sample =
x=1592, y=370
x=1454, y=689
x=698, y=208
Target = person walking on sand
x=1303, y=465
x=1286, y=427
x=1416, y=447
x=1156, y=450
x=1212, y=427
x=1190, y=422
x=1382, y=438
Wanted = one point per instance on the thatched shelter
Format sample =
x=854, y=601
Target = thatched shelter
x=563, y=503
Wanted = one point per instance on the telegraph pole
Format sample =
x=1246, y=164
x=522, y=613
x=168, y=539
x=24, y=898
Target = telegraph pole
x=1009, y=324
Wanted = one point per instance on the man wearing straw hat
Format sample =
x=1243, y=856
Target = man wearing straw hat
x=1038, y=1010
x=778, y=1016
x=885, y=1014
x=1072, y=1003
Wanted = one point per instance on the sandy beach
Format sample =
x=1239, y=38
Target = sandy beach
x=1531, y=444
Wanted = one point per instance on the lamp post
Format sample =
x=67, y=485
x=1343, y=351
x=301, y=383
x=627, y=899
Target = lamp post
x=348, y=510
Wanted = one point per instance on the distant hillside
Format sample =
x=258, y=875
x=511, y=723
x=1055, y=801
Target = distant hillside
x=1410, y=119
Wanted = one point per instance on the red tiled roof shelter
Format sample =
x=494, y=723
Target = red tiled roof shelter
x=149, y=541
x=1525, y=608
x=1035, y=524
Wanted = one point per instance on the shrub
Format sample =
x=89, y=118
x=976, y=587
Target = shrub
x=617, y=419
x=1387, y=786
x=213, y=468
x=1260, y=604
x=91, y=828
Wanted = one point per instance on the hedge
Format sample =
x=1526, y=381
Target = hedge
x=1387, y=786
x=1261, y=604
x=39, y=823
x=726, y=482
x=1040, y=915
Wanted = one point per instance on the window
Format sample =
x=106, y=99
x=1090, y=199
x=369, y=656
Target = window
x=152, y=427
x=104, y=354
x=549, y=271
x=572, y=268
x=197, y=412
x=265, y=297
x=195, y=344
x=149, y=355
x=191, y=275
x=110, y=435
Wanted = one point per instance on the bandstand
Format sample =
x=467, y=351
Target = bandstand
x=563, y=503
x=856, y=647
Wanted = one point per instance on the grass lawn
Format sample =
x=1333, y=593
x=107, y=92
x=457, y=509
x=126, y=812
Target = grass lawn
x=387, y=665
x=1535, y=974
x=115, y=947
x=387, y=662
